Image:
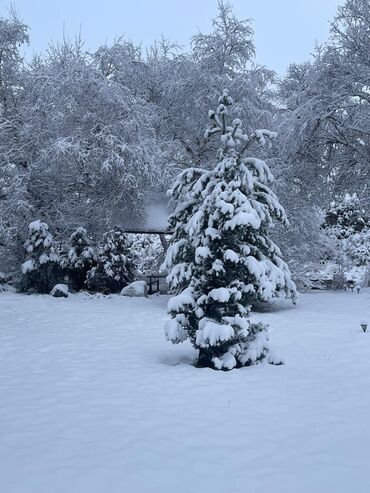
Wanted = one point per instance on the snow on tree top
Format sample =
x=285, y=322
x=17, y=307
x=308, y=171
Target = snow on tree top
x=36, y=226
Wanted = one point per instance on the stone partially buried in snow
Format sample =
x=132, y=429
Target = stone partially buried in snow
x=136, y=288
x=60, y=291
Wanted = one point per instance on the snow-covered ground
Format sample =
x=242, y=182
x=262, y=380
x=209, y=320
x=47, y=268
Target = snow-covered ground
x=94, y=400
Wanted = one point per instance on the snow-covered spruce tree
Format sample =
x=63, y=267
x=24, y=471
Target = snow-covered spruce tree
x=79, y=259
x=221, y=257
x=40, y=270
x=114, y=267
x=147, y=252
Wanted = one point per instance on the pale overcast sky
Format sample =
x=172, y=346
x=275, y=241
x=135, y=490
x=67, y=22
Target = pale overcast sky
x=285, y=30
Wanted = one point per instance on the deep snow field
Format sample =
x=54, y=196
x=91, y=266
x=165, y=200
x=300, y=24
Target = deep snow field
x=94, y=400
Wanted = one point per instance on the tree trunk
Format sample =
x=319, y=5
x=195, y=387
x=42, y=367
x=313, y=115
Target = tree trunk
x=205, y=358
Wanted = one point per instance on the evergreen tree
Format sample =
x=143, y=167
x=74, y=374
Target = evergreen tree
x=40, y=270
x=347, y=227
x=346, y=217
x=114, y=268
x=221, y=257
x=79, y=260
x=147, y=252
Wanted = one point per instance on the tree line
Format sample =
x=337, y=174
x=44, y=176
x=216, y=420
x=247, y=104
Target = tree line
x=86, y=138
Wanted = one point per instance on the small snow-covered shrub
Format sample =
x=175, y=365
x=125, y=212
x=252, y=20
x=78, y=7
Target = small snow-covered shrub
x=347, y=235
x=41, y=269
x=302, y=282
x=79, y=259
x=357, y=247
x=114, y=265
x=346, y=217
x=349, y=232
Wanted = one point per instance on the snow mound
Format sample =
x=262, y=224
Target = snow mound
x=60, y=291
x=226, y=361
x=135, y=289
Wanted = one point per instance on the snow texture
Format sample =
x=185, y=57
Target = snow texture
x=220, y=294
x=28, y=266
x=93, y=399
x=211, y=333
x=177, y=302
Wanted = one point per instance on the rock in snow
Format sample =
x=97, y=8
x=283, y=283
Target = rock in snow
x=136, y=288
x=60, y=291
